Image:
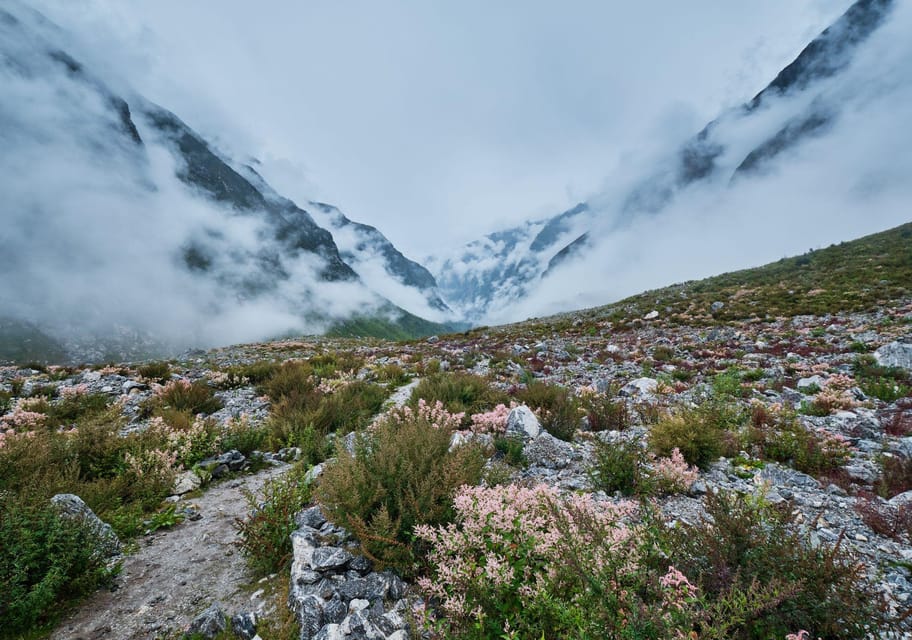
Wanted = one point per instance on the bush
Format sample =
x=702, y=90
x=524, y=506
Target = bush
x=293, y=381
x=621, y=467
x=698, y=433
x=459, y=392
x=239, y=434
x=556, y=406
x=895, y=476
x=743, y=541
x=349, y=408
x=401, y=473
x=182, y=395
x=604, y=413
x=265, y=535
x=510, y=449
x=885, y=389
x=883, y=518
x=564, y=568
x=45, y=560
x=780, y=436
x=155, y=372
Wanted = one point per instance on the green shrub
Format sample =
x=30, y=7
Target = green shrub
x=698, y=432
x=349, y=408
x=155, y=372
x=621, y=467
x=604, y=413
x=292, y=380
x=556, y=406
x=265, y=535
x=885, y=389
x=402, y=473
x=45, y=560
x=510, y=449
x=729, y=384
x=392, y=374
x=70, y=410
x=743, y=541
x=244, y=437
x=182, y=395
x=459, y=392
x=782, y=438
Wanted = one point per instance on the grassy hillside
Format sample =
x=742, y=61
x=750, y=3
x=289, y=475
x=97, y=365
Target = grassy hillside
x=864, y=274
x=404, y=326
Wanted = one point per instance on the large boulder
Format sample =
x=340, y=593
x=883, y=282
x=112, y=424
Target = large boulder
x=895, y=354
x=209, y=623
x=72, y=506
x=523, y=423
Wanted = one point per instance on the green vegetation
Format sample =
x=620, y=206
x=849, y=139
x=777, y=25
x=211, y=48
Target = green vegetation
x=394, y=325
x=861, y=275
x=699, y=433
x=399, y=474
x=459, y=392
x=266, y=533
x=556, y=406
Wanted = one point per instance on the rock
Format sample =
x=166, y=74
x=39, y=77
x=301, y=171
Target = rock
x=72, y=506
x=314, y=472
x=810, y=383
x=901, y=499
x=895, y=354
x=523, y=423
x=549, y=452
x=310, y=517
x=329, y=559
x=334, y=611
x=652, y=315
x=186, y=482
x=309, y=612
x=209, y=623
x=433, y=339
x=330, y=632
x=645, y=387
x=716, y=306
x=862, y=472
x=132, y=386
x=783, y=477
x=244, y=625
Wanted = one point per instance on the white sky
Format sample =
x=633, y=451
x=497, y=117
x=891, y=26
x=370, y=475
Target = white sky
x=440, y=122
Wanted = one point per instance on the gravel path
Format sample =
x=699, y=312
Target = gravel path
x=175, y=574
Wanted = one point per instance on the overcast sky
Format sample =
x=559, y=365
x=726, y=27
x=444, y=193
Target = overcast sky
x=438, y=122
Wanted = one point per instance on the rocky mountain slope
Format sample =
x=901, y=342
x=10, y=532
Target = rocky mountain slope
x=803, y=103
x=803, y=401
x=119, y=218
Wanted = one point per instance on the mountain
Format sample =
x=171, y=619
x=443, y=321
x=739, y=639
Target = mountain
x=122, y=220
x=805, y=102
x=505, y=265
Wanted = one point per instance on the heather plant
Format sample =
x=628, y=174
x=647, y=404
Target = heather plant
x=627, y=468
x=493, y=421
x=185, y=396
x=155, y=372
x=742, y=540
x=522, y=562
x=45, y=561
x=697, y=432
x=242, y=436
x=510, y=450
x=604, y=413
x=265, y=534
x=291, y=381
x=401, y=472
x=775, y=433
x=459, y=392
x=557, y=408
x=882, y=517
x=895, y=476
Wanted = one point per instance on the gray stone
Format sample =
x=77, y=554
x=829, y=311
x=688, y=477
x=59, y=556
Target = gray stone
x=895, y=354
x=902, y=499
x=523, y=423
x=645, y=387
x=244, y=625
x=330, y=632
x=783, y=477
x=310, y=517
x=335, y=610
x=360, y=564
x=329, y=559
x=810, y=383
x=652, y=315
x=209, y=623
x=716, y=306
x=72, y=506
x=353, y=589
x=186, y=482
x=308, y=611
x=548, y=452
x=132, y=386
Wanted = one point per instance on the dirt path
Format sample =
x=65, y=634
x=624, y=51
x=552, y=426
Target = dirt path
x=175, y=574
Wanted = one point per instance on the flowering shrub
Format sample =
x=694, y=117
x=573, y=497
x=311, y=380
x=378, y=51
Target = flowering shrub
x=527, y=563
x=199, y=441
x=402, y=472
x=673, y=475
x=627, y=468
x=493, y=421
